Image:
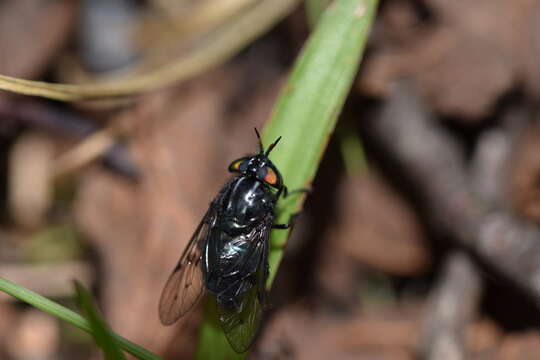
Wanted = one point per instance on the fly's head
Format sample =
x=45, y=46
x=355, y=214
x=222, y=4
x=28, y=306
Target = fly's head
x=259, y=166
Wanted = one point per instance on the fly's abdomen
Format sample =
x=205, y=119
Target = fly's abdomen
x=232, y=264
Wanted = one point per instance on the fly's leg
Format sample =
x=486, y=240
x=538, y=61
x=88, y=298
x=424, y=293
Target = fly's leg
x=288, y=225
x=282, y=226
x=285, y=191
x=292, y=219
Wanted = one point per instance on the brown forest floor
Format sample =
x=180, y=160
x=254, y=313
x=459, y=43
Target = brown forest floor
x=431, y=251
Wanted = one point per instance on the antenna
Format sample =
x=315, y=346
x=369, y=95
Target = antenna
x=271, y=147
x=261, y=148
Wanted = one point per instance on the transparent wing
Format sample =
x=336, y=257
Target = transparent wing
x=241, y=325
x=186, y=284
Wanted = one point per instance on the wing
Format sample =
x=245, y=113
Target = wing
x=240, y=328
x=185, y=285
x=241, y=325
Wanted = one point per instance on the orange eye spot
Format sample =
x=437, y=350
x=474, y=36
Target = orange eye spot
x=271, y=177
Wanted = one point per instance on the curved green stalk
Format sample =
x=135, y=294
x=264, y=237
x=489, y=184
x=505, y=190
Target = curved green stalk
x=101, y=332
x=220, y=46
x=306, y=112
x=69, y=316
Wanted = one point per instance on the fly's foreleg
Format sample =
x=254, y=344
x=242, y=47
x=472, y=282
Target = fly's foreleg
x=285, y=191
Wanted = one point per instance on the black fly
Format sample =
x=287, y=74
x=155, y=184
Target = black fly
x=228, y=253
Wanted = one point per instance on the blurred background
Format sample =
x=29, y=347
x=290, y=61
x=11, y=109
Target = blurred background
x=420, y=238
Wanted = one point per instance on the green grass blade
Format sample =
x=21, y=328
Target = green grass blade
x=314, y=10
x=307, y=110
x=305, y=115
x=101, y=332
x=69, y=316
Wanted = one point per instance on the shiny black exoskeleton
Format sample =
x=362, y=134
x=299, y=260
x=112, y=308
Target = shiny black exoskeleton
x=228, y=253
x=232, y=257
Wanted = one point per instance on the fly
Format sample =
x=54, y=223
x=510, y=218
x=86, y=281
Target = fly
x=227, y=255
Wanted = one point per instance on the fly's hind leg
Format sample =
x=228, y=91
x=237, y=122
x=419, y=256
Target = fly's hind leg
x=282, y=226
x=288, y=225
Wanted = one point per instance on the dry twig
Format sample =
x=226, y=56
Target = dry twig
x=434, y=165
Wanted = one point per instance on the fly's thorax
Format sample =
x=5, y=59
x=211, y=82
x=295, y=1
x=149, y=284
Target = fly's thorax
x=249, y=202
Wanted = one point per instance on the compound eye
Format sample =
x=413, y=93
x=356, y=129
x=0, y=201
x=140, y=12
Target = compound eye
x=239, y=165
x=271, y=177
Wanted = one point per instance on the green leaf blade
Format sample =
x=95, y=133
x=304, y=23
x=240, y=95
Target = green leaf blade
x=59, y=311
x=307, y=110
x=314, y=10
x=100, y=331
